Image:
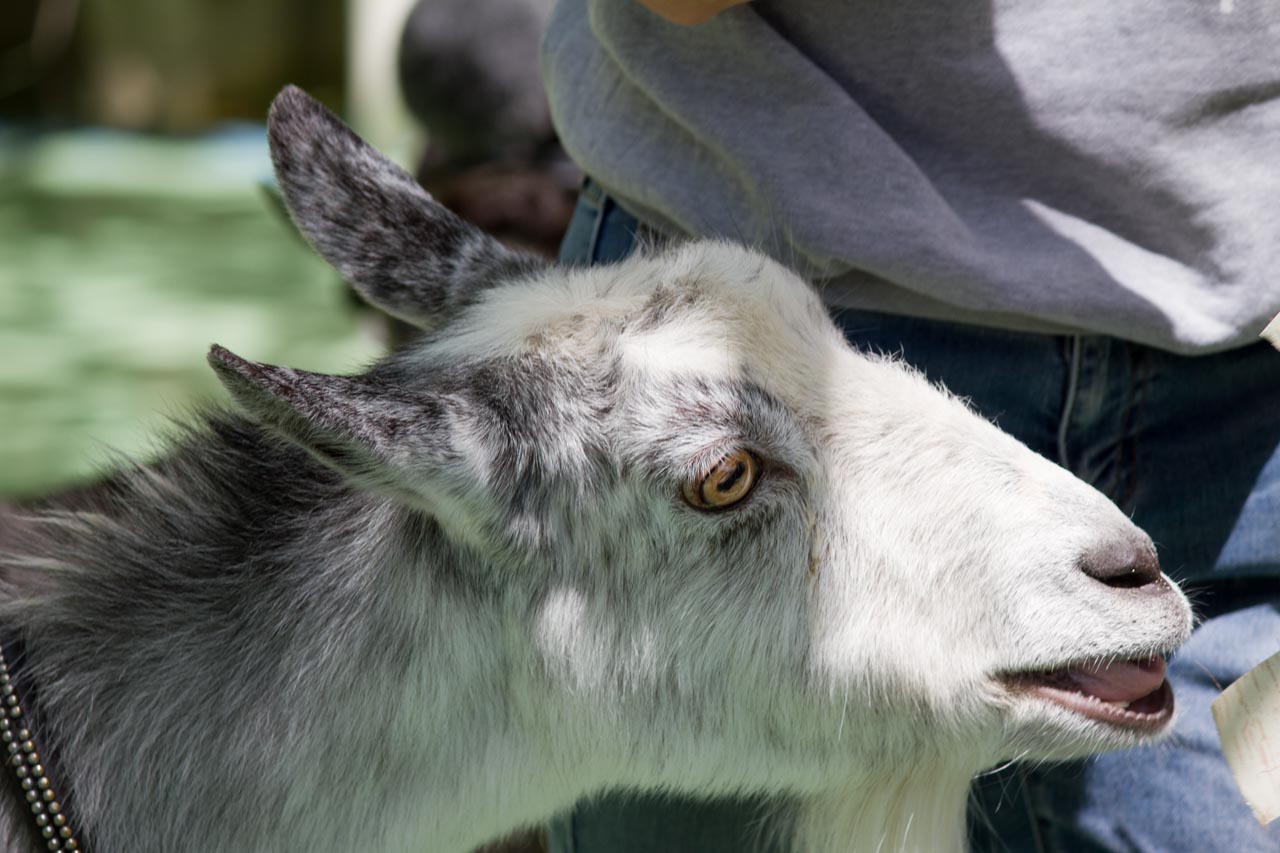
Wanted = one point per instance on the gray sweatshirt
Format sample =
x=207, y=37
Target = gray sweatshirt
x=1108, y=166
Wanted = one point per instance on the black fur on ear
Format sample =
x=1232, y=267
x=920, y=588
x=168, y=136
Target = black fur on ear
x=346, y=422
x=402, y=251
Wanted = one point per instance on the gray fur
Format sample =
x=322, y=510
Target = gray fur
x=416, y=608
x=352, y=215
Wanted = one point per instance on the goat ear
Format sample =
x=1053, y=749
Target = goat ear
x=403, y=251
x=348, y=423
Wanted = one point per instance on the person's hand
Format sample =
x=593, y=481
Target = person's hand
x=689, y=12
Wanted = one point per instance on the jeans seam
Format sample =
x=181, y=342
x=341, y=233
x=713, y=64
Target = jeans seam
x=597, y=229
x=561, y=832
x=1033, y=819
x=1073, y=389
x=1128, y=480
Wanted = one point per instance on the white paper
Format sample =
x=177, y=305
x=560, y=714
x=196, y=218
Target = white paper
x=1248, y=718
x=1272, y=332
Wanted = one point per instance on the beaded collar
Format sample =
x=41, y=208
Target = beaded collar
x=23, y=758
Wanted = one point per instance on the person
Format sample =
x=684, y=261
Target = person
x=1066, y=213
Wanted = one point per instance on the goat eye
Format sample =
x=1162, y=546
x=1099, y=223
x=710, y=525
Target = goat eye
x=725, y=483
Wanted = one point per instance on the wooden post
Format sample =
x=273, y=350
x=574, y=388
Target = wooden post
x=374, y=104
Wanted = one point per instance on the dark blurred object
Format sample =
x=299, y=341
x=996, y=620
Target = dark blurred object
x=165, y=65
x=469, y=73
x=37, y=56
x=526, y=206
x=175, y=65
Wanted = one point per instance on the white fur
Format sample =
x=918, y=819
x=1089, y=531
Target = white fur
x=937, y=552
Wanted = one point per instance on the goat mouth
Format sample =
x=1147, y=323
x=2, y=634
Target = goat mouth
x=1128, y=694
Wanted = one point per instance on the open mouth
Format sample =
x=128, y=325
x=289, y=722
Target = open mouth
x=1130, y=694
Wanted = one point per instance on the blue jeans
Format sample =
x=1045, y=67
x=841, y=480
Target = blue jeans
x=1190, y=447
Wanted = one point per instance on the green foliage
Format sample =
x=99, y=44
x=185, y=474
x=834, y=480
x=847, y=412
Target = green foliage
x=121, y=260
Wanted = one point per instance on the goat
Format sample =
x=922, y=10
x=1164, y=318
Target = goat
x=651, y=526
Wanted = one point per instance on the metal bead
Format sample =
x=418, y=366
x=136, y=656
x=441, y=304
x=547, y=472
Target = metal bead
x=21, y=754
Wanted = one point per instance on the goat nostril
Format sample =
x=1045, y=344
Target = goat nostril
x=1123, y=565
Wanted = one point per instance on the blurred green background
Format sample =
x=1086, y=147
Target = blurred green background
x=133, y=227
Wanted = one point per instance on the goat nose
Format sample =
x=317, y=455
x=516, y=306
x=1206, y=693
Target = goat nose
x=1124, y=562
